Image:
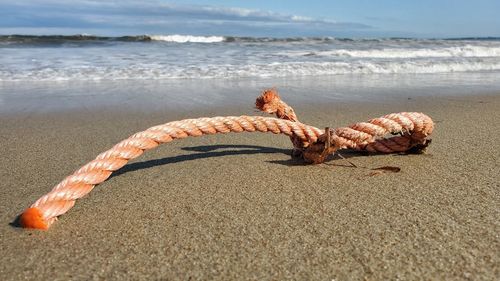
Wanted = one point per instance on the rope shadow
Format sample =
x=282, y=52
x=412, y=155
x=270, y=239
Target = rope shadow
x=206, y=151
x=16, y=222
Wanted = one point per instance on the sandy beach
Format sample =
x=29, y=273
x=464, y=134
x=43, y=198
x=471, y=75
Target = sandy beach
x=79, y=77
x=236, y=207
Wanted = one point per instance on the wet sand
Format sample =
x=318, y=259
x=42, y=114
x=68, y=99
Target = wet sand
x=236, y=207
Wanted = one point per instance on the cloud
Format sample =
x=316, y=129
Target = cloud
x=152, y=16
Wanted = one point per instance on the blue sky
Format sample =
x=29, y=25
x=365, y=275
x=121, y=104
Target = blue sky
x=279, y=18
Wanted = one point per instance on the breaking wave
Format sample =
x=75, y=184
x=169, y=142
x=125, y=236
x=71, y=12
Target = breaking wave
x=187, y=38
x=173, y=38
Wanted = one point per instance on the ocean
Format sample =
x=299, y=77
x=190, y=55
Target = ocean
x=54, y=58
x=163, y=65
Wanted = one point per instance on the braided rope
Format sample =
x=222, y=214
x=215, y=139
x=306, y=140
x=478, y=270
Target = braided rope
x=44, y=212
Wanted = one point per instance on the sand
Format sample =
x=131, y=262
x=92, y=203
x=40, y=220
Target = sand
x=236, y=207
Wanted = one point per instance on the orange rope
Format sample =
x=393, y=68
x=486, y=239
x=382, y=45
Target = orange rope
x=62, y=197
x=413, y=127
x=312, y=143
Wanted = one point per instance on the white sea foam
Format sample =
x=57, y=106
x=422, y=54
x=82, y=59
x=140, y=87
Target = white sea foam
x=466, y=51
x=275, y=69
x=187, y=38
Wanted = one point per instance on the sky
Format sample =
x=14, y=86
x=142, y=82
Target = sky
x=260, y=18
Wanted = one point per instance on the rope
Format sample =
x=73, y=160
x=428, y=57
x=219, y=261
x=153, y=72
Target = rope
x=413, y=129
x=313, y=144
x=44, y=212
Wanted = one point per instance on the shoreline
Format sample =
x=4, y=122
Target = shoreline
x=235, y=206
x=29, y=97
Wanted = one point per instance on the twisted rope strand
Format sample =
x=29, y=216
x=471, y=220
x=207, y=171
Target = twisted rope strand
x=414, y=128
x=44, y=212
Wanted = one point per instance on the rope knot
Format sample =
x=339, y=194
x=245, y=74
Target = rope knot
x=317, y=152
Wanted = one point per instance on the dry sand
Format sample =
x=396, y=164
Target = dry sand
x=236, y=207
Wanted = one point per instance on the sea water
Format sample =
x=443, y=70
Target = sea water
x=142, y=65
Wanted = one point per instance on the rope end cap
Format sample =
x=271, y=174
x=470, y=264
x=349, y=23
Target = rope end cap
x=32, y=218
